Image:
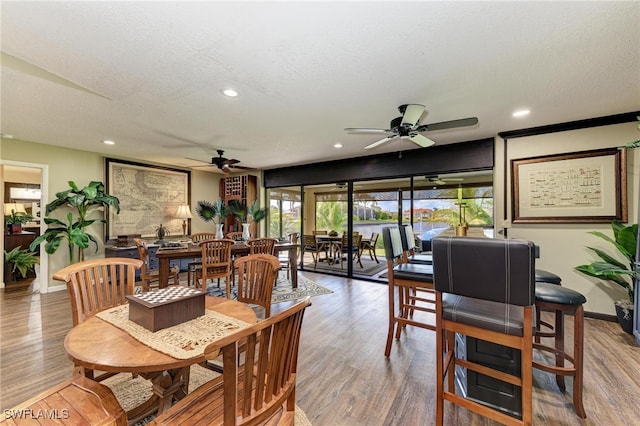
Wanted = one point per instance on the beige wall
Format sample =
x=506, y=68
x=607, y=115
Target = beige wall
x=82, y=167
x=562, y=246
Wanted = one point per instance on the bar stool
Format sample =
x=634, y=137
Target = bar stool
x=561, y=301
x=542, y=276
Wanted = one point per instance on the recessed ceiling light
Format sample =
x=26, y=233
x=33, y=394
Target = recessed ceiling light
x=338, y=145
x=108, y=142
x=521, y=113
x=230, y=92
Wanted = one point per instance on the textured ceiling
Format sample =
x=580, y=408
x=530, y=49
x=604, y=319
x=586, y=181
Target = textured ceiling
x=149, y=74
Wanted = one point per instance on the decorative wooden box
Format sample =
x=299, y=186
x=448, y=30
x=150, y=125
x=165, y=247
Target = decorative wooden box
x=158, y=309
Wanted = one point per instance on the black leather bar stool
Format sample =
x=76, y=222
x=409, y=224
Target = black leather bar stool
x=563, y=301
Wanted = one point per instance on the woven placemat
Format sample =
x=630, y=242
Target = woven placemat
x=182, y=341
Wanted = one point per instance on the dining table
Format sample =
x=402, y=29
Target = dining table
x=240, y=248
x=100, y=345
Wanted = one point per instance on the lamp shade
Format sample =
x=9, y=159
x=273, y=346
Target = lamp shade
x=184, y=212
x=15, y=207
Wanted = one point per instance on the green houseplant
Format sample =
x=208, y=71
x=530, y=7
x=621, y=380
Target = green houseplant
x=15, y=220
x=19, y=263
x=84, y=201
x=609, y=268
x=213, y=212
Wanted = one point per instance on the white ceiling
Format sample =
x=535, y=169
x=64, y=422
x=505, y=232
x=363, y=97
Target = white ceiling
x=149, y=74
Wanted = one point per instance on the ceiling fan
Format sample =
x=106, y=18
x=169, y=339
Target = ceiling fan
x=222, y=163
x=407, y=127
x=437, y=180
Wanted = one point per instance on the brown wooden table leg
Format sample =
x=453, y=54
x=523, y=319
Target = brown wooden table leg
x=166, y=386
x=163, y=272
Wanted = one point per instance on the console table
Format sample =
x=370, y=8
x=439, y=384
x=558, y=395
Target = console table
x=22, y=239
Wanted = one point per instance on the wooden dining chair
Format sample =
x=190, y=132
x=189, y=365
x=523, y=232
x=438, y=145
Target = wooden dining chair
x=257, y=274
x=197, y=263
x=264, y=245
x=216, y=263
x=98, y=284
x=259, y=391
x=78, y=401
x=485, y=290
x=235, y=236
x=352, y=251
x=151, y=277
x=369, y=245
x=283, y=256
x=310, y=245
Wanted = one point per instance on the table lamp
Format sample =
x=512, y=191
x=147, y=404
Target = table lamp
x=184, y=213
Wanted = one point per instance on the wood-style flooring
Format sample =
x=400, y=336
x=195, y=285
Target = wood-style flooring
x=344, y=378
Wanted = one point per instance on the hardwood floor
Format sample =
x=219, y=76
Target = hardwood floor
x=344, y=378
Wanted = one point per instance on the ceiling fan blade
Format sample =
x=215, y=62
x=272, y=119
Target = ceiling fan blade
x=231, y=162
x=380, y=142
x=412, y=114
x=365, y=130
x=423, y=141
x=196, y=159
x=463, y=122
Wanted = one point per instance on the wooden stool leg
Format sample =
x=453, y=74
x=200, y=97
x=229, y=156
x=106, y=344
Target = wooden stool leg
x=392, y=320
x=559, y=345
x=578, y=345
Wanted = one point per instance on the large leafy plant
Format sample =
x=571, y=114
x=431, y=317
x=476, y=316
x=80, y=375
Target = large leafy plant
x=83, y=201
x=609, y=268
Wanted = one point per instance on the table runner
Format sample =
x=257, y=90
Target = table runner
x=182, y=341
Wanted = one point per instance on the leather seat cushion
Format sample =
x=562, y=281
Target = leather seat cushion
x=543, y=276
x=486, y=314
x=551, y=293
x=424, y=259
x=414, y=272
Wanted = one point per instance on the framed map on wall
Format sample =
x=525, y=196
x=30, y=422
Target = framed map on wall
x=149, y=197
x=579, y=187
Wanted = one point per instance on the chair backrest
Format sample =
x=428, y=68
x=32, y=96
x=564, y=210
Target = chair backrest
x=267, y=379
x=392, y=243
x=202, y=236
x=262, y=245
x=320, y=232
x=485, y=268
x=294, y=237
x=235, y=236
x=256, y=276
x=408, y=238
x=143, y=254
x=374, y=239
x=216, y=254
x=356, y=238
x=98, y=284
x=309, y=242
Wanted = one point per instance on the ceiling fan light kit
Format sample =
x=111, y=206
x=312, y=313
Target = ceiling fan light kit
x=407, y=127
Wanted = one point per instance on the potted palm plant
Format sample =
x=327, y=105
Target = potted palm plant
x=620, y=272
x=213, y=212
x=84, y=201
